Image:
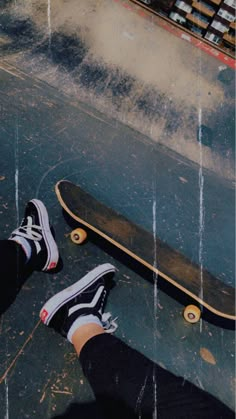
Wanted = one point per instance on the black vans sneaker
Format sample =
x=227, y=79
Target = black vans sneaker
x=35, y=236
x=81, y=303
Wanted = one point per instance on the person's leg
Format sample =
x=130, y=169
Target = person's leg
x=122, y=378
x=30, y=247
x=12, y=262
x=124, y=381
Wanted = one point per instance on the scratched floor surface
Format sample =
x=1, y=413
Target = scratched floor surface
x=54, y=58
x=46, y=137
x=104, y=54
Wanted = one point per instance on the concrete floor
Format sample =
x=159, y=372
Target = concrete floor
x=130, y=69
x=48, y=134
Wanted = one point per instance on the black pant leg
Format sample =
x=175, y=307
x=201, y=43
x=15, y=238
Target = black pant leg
x=129, y=385
x=12, y=272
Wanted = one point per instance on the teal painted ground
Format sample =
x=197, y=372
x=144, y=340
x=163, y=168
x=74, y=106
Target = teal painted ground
x=46, y=137
x=134, y=71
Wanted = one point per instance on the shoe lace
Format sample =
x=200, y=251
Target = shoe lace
x=28, y=231
x=109, y=324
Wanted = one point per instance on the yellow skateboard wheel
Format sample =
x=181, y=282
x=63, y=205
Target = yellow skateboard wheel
x=78, y=235
x=192, y=314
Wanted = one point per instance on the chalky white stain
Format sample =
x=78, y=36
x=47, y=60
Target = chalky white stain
x=140, y=396
x=155, y=278
x=201, y=191
x=17, y=172
x=6, y=416
x=201, y=204
x=49, y=24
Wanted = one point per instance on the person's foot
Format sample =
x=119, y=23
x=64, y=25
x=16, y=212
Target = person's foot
x=80, y=304
x=35, y=236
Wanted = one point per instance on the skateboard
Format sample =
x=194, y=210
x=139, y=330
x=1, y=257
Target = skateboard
x=199, y=284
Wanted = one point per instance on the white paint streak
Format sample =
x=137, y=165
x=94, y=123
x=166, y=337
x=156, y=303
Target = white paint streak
x=154, y=230
x=49, y=25
x=128, y=35
x=201, y=206
x=17, y=173
x=155, y=278
x=140, y=397
x=6, y=416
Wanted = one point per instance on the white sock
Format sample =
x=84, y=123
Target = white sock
x=80, y=321
x=24, y=244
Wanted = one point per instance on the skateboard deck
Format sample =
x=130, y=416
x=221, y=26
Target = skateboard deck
x=199, y=284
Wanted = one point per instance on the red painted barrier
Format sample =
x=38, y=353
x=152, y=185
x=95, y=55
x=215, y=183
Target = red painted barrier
x=208, y=49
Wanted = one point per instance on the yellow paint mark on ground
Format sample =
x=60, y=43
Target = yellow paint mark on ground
x=62, y=392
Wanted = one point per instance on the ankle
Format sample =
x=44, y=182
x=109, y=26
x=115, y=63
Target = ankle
x=25, y=246
x=84, y=333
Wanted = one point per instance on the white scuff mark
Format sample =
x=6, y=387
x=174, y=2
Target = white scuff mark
x=7, y=400
x=49, y=25
x=19, y=353
x=140, y=396
x=199, y=382
x=17, y=173
x=55, y=166
x=128, y=35
x=201, y=187
x=155, y=278
x=51, y=169
x=222, y=67
x=154, y=230
x=155, y=416
x=186, y=37
x=201, y=208
x=13, y=72
x=155, y=274
x=183, y=180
